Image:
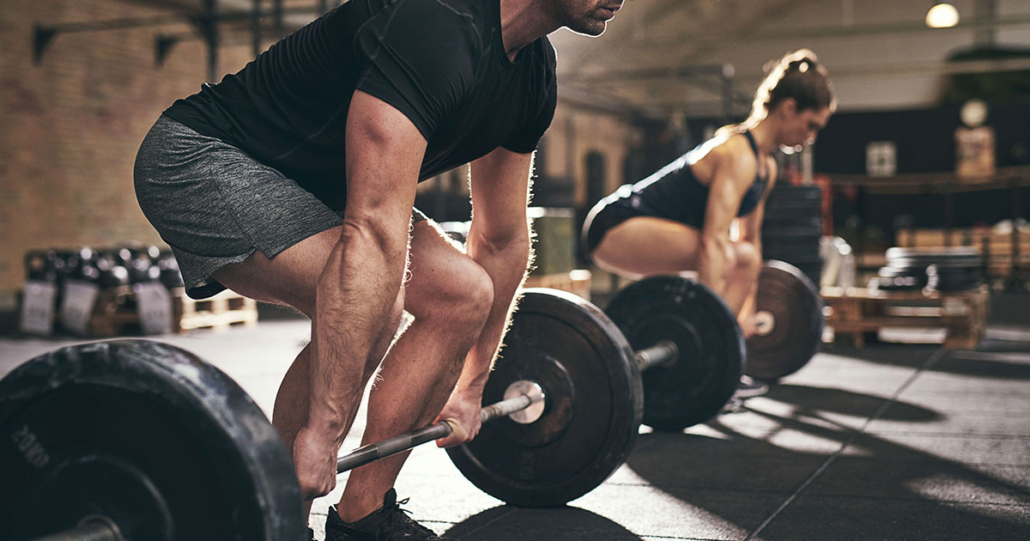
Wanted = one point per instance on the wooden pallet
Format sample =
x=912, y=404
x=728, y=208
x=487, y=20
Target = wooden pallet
x=858, y=312
x=115, y=312
x=219, y=312
x=577, y=282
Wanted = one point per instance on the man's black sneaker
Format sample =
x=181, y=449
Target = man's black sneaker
x=390, y=523
x=750, y=387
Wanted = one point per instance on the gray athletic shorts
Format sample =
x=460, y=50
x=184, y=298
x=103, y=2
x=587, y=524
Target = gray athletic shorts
x=214, y=204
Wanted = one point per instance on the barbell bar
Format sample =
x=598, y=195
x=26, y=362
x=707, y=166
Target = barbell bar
x=374, y=451
x=661, y=354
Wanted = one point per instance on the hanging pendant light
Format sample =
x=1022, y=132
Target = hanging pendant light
x=942, y=15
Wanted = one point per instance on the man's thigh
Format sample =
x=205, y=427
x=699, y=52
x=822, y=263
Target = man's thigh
x=215, y=205
x=291, y=276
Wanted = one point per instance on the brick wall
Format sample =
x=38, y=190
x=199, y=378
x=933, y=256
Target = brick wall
x=70, y=126
x=575, y=133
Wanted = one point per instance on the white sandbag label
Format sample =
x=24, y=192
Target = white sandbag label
x=77, y=305
x=37, y=308
x=155, y=308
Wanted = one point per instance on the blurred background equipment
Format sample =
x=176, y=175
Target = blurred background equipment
x=133, y=289
x=792, y=227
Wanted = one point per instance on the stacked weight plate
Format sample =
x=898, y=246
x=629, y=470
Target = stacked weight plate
x=792, y=227
x=939, y=269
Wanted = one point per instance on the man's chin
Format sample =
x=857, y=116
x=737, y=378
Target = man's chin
x=591, y=28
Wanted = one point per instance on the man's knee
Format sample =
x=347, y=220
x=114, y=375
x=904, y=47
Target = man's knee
x=463, y=298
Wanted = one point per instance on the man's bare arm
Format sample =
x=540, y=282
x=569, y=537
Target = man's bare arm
x=359, y=286
x=498, y=241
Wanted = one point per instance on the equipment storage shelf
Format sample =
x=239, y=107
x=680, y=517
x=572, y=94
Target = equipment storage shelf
x=861, y=313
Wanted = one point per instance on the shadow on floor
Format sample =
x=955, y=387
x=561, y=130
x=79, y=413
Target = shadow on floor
x=808, y=400
x=877, y=489
x=507, y=523
x=995, y=358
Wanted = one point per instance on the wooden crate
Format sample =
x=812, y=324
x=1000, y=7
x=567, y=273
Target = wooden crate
x=576, y=282
x=855, y=312
x=115, y=312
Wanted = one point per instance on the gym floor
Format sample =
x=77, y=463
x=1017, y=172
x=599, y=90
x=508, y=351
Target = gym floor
x=887, y=442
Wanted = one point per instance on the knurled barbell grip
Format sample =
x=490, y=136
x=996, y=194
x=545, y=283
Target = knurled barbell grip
x=408, y=440
x=664, y=353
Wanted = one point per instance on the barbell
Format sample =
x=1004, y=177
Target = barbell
x=141, y=440
x=135, y=439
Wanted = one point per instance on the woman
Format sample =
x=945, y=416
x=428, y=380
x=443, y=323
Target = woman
x=679, y=218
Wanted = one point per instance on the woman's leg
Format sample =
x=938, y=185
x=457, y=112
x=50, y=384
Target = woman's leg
x=646, y=246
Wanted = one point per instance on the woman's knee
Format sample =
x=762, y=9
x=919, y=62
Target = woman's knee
x=747, y=258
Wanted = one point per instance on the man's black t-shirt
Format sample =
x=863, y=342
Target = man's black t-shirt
x=440, y=62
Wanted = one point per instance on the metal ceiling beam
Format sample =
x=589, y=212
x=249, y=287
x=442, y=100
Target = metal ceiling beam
x=591, y=93
x=647, y=76
x=672, y=72
x=835, y=32
x=940, y=68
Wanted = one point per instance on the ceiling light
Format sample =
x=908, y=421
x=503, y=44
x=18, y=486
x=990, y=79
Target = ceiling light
x=942, y=15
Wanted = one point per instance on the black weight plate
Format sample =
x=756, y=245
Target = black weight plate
x=792, y=232
x=795, y=193
x=793, y=208
x=932, y=253
x=807, y=244
x=962, y=256
x=953, y=286
x=953, y=272
x=793, y=220
x=711, y=348
x=812, y=271
x=794, y=254
x=790, y=302
x=148, y=435
x=593, y=403
x=892, y=272
x=952, y=279
x=898, y=283
x=965, y=262
x=784, y=198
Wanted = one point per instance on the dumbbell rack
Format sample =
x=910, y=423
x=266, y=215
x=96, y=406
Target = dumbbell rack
x=856, y=312
x=115, y=312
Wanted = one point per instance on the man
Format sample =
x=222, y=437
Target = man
x=293, y=180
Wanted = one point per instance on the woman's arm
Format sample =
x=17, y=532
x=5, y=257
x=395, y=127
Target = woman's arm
x=734, y=169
